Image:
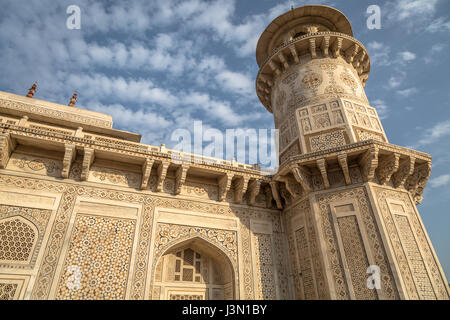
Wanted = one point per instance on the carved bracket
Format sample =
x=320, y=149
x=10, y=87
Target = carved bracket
x=275, y=68
x=359, y=60
x=88, y=159
x=7, y=146
x=146, y=171
x=291, y=186
x=224, y=185
x=269, y=196
x=387, y=168
x=284, y=194
x=294, y=54
x=276, y=194
x=342, y=159
x=312, y=48
x=325, y=45
x=240, y=186
x=351, y=53
x=303, y=176
x=180, y=178
x=416, y=183
x=253, y=190
x=162, y=172
x=369, y=163
x=322, y=165
x=69, y=156
x=406, y=168
x=337, y=46
x=283, y=60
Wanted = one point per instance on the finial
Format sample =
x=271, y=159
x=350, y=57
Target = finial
x=32, y=90
x=73, y=100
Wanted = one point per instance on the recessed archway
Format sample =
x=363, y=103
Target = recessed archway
x=194, y=269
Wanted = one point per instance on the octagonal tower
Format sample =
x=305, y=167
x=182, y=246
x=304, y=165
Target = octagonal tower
x=312, y=77
x=349, y=196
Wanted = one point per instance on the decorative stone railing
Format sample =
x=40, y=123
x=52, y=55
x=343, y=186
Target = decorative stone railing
x=315, y=45
x=46, y=110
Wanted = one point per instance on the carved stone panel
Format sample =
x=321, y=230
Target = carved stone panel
x=374, y=243
x=327, y=140
x=99, y=253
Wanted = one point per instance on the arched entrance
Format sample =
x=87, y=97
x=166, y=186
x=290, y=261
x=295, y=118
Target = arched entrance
x=194, y=270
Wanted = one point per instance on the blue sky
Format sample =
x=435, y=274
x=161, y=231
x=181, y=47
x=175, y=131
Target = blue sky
x=159, y=65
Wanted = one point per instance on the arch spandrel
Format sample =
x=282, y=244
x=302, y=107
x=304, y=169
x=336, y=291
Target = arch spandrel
x=204, y=240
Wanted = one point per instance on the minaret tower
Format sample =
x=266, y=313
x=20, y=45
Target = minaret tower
x=349, y=196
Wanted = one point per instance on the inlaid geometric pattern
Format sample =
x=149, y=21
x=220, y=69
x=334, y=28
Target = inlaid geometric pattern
x=327, y=141
x=8, y=291
x=264, y=267
x=186, y=297
x=417, y=266
x=356, y=257
x=17, y=240
x=101, y=248
x=387, y=281
x=190, y=271
x=305, y=264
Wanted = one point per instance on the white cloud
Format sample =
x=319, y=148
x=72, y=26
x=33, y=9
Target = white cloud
x=407, y=92
x=235, y=82
x=395, y=81
x=141, y=91
x=379, y=53
x=416, y=15
x=410, y=13
x=440, y=181
x=382, y=108
x=219, y=110
x=440, y=130
x=435, y=50
x=125, y=117
x=407, y=56
x=438, y=25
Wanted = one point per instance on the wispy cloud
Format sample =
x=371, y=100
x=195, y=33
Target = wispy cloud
x=410, y=14
x=382, y=108
x=407, y=56
x=438, y=25
x=440, y=181
x=379, y=53
x=407, y=92
x=438, y=131
x=434, y=52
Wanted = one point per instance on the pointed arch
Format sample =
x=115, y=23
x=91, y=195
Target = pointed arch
x=203, y=246
x=18, y=240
